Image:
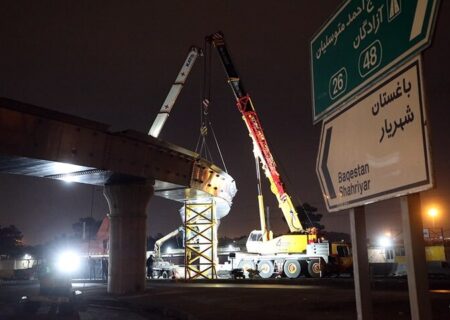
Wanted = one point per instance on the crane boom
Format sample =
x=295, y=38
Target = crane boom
x=175, y=90
x=260, y=145
x=161, y=241
x=163, y=115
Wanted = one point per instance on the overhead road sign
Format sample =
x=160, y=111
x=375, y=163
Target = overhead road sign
x=377, y=146
x=362, y=41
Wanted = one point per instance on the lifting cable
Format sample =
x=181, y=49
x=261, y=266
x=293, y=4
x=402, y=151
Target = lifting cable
x=297, y=198
x=205, y=122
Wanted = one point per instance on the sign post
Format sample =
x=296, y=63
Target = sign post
x=361, y=270
x=377, y=146
x=361, y=42
x=416, y=268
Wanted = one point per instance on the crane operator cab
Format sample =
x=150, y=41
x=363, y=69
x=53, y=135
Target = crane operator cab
x=255, y=241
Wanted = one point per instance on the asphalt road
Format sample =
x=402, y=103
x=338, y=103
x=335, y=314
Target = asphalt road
x=249, y=299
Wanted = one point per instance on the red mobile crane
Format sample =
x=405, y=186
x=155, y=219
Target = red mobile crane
x=289, y=253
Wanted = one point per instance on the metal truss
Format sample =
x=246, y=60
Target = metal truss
x=200, y=240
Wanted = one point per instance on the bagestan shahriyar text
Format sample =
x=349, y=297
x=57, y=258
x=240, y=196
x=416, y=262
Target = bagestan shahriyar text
x=351, y=181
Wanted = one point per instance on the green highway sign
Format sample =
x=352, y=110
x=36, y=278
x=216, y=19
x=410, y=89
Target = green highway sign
x=361, y=42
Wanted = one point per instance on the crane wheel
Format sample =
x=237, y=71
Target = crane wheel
x=246, y=265
x=292, y=268
x=265, y=269
x=315, y=268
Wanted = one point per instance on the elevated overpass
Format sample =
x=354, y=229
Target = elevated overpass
x=132, y=166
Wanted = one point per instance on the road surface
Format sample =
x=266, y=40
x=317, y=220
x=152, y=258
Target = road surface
x=248, y=299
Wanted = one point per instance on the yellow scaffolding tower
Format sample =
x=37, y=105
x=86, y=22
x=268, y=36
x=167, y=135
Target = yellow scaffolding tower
x=200, y=240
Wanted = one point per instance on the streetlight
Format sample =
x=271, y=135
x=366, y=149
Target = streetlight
x=433, y=213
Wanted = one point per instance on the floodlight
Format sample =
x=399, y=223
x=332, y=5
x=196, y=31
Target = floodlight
x=68, y=261
x=385, y=241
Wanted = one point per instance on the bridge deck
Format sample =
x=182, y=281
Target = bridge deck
x=43, y=143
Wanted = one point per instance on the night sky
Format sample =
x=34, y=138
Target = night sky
x=114, y=62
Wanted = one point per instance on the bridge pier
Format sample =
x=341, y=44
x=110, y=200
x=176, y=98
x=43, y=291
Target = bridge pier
x=127, y=235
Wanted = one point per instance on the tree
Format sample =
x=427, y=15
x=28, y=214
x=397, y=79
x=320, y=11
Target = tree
x=87, y=226
x=10, y=241
x=151, y=242
x=225, y=241
x=309, y=217
x=333, y=236
x=236, y=242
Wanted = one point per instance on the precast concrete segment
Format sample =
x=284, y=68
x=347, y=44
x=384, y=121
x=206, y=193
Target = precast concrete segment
x=127, y=235
x=35, y=133
x=43, y=143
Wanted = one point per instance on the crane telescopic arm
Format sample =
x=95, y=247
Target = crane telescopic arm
x=260, y=145
x=175, y=90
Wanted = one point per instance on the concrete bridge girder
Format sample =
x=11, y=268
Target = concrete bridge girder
x=44, y=143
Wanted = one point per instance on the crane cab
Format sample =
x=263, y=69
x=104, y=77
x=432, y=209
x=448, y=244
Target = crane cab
x=255, y=243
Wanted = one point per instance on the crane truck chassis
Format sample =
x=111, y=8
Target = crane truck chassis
x=320, y=259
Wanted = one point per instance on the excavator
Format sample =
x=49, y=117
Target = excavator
x=287, y=254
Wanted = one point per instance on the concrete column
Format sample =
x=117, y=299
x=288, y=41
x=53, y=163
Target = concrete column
x=127, y=235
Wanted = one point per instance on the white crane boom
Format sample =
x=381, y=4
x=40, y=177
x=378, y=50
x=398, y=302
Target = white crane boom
x=160, y=242
x=175, y=90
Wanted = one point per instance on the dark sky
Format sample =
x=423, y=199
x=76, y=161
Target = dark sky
x=114, y=62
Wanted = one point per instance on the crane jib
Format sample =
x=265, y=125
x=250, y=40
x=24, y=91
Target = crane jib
x=252, y=120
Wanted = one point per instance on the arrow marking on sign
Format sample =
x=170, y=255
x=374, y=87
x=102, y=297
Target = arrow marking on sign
x=407, y=31
x=326, y=172
x=419, y=18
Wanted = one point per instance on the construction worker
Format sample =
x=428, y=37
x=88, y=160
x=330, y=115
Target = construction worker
x=91, y=263
x=105, y=268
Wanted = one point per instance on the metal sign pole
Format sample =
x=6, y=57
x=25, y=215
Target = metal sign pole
x=419, y=299
x=360, y=263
